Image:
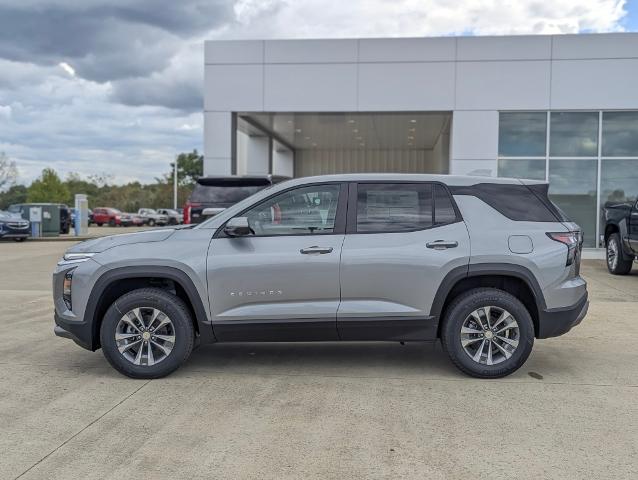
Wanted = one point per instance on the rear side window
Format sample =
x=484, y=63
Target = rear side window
x=444, y=211
x=516, y=202
x=388, y=207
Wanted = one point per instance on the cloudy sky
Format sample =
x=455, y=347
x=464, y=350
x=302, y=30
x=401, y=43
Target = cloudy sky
x=115, y=86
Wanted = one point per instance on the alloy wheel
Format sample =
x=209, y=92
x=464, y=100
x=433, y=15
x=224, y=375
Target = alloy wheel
x=490, y=335
x=145, y=336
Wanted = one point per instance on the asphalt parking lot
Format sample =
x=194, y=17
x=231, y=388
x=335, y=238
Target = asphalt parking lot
x=315, y=410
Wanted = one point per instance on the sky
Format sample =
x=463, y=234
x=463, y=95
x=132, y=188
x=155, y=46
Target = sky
x=115, y=86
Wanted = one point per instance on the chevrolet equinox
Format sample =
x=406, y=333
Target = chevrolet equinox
x=486, y=265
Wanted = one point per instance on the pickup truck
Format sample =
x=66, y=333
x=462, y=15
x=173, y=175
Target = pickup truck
x=621, y=235
x=151, y=217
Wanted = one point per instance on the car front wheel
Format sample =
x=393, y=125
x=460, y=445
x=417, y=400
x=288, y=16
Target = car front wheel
x=617, y=264
x=147, y=333
x=487, y=333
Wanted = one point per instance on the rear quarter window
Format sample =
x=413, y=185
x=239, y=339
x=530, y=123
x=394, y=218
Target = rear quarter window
x=516, y=202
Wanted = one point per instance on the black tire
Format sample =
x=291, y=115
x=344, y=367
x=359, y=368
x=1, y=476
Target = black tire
x=99, y=224
x=460, y=309
x=172, y=221
x=21, y=239
x=620, y=264
x=112, y=222
x=164, y=301
x=151, y=222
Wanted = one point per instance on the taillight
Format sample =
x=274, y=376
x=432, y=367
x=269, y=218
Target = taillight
x=187, y=211
x=572, y=240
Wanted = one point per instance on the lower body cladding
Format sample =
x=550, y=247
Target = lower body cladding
x=551, y=323
x=327, y=329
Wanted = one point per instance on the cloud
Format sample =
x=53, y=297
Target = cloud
x=115, y=86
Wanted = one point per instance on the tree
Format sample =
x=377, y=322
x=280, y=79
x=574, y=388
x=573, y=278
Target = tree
x=8, y=172
x=190, y=166
x=15, y=194
x=48, y=188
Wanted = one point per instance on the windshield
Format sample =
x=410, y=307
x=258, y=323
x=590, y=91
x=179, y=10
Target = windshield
x=223, y=195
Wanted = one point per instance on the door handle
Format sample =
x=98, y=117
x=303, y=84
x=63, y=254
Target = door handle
x=442, y=244
x=315, y=249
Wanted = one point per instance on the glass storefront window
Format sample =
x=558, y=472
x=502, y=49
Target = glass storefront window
x=522, y=134
x=572, y=186
x=618, y=181
x=573, y=134
x=521, y=168
x=620, y=134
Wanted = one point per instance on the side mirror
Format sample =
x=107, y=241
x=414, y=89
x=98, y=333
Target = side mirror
x=237, y=227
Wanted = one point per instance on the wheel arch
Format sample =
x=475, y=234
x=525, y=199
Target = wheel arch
x=511, y=278
x=115, y=283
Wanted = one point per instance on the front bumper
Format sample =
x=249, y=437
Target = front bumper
x=79, y=332
x=557, y=321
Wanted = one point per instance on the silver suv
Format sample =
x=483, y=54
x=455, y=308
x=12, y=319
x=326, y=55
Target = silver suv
x=485, y=265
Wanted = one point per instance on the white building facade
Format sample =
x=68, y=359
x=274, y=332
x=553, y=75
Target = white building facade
x=561, y=108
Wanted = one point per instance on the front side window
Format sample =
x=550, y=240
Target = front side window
x=302, y=211
x=388, y=207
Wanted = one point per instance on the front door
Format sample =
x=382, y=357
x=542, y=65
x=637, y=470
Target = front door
x=281, y=282
x=402, y=239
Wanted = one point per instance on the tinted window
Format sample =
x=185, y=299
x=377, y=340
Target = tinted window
x=393, y=207
x=443, y=208
x=301, y=211
x=620, y=134
x=522, y=134
x=573, y=134
x=223, y=195
x=533, y=169
x=516, y=202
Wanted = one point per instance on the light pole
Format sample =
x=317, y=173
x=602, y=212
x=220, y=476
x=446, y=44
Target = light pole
x=175, y=185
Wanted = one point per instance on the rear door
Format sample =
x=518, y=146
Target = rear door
x=282, y=282
x=402, y=239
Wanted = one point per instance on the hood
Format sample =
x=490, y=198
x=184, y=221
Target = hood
x=9, y=216
x=101, y=244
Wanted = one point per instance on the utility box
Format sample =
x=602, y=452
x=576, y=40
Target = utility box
x=50, y=216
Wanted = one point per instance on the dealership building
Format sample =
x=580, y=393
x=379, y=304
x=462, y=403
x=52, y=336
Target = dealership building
x=562, y=108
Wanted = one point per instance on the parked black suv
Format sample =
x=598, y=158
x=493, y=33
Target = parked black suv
x=212, y=195
x=621, y=235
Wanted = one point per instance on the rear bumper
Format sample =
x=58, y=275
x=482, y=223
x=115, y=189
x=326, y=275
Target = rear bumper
x=557, y=321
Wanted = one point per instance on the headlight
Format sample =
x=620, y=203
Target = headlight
x=75, y=258
x=66, y=289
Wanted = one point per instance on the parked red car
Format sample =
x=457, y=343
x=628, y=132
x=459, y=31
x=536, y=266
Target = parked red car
x=110, y=216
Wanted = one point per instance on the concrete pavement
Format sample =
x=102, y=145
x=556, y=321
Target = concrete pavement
x=315, y=410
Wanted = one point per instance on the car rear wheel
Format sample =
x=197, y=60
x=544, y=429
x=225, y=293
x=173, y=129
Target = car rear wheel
x=98, y=224
x=20, y=239
x=617, y=263
x=147, y=333
x=487, y=333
